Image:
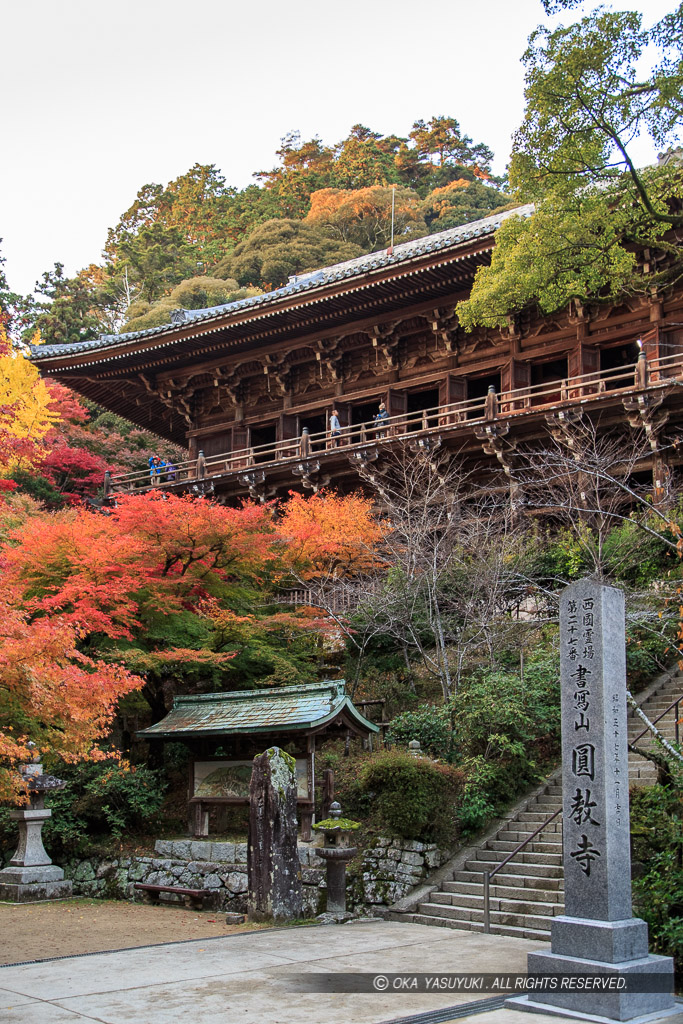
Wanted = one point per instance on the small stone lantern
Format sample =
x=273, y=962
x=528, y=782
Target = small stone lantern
x=31, y=875
x=336, y=853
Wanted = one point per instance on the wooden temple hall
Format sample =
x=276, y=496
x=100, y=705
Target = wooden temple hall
x=225, y=731
x=249, y=387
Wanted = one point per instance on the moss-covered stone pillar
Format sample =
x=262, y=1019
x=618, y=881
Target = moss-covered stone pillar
x=274, y=871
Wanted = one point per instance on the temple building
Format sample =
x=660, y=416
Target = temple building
x=250, y=387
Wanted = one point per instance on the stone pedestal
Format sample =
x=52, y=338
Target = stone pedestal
x=31, y=875
x=597, y=934
x=336, y=861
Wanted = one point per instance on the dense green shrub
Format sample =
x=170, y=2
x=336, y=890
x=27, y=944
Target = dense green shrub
x=102, y=799
x=428, y=724
x=657, y=851
x=413, y=797
x=507, y=730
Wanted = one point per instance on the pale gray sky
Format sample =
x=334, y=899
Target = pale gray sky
x=100, y=99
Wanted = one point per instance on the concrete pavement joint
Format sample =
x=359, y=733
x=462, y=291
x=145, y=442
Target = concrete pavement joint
x=449, y=1013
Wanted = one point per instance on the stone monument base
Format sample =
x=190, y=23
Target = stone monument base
x=26, y=884
x=532, y=1006
x=616, y=949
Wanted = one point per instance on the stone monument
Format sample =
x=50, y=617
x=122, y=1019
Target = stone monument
x=274, y=871
x=597, y=933
x=31, y=875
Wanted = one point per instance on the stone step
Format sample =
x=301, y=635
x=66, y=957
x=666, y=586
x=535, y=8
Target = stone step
x=540, y=934
x=507, y=879
x=515, y=834
x=540, y=922
x=529, y=904
x=478, y=867
x=505, y=846
x=537, y=816
x=524, y=857
x=452, y=891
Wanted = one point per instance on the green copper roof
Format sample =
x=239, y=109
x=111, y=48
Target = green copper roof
x=286, y=709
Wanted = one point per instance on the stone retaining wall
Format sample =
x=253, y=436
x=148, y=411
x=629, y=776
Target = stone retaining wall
x=388, y=870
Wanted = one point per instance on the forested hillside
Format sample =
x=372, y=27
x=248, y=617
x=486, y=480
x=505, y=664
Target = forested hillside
x=198, y=241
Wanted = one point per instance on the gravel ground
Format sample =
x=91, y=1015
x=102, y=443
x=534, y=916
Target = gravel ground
x=38, y=930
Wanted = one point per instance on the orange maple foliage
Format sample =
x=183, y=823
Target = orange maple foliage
x=51, y=692
x=154, y=552
x=329, y=533
x=363, y=215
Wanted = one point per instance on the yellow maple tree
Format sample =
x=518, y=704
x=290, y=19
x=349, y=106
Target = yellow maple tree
x=25, y=413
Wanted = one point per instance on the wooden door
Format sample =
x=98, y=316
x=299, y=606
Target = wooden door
x=288, y=430
x=239, y=443
x=397, y=405
x=452, y=390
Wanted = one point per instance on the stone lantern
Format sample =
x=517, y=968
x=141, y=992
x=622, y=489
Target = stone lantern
x=31, y=875
x=336, y=853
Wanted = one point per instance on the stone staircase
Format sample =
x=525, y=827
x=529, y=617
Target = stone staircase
x=529, y=891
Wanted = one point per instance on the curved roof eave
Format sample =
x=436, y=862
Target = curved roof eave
x=403, y=253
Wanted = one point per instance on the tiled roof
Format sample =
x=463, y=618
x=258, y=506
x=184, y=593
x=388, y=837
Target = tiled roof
x=402, y=253
x=289, y=708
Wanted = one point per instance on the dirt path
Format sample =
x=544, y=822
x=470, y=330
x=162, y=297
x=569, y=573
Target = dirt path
x=35, y=931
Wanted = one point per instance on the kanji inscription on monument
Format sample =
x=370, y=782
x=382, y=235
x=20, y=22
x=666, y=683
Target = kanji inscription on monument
x=597, y=933
x=597, y=865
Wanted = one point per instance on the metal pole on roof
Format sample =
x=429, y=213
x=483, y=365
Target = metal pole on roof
x=393, y=208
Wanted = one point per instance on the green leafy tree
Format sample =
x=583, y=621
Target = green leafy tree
x=194, y=293
x=440, y=141
x=274, y=251
x=460, y=202
x=10, y=301
x=70, y=312
x=588, y=96
x=362, y=162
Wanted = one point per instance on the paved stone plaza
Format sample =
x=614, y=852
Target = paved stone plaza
x=250, y=978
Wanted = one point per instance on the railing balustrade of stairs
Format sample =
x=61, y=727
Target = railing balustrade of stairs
x=488, y=875
x=570, y=391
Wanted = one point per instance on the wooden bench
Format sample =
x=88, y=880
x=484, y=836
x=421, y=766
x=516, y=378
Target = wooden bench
x=194, y=898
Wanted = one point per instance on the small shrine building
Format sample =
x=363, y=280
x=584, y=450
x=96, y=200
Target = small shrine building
x=225, y=731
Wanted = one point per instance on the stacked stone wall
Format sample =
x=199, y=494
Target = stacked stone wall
x=384, y=873
x=389, y=869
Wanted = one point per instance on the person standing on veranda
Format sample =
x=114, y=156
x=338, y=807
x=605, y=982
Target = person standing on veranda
x=335, y=428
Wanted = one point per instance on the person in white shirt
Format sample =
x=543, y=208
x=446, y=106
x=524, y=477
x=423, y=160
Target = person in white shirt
x=335, y=428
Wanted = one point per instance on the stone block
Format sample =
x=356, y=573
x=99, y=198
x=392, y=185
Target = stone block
x=31, y=891
x=432, y=858
x=164, y=847
x=311, y=876
x=181, y=849
x=200, y=850
x=414, y=859
x=414, y=846
x=211, y=881
x=223, y=852
x=105, y=868
x=236, y=882
x=84, y=872
x=383, y=842
x=241, y=853
x=137, y=871
x=617, y=1006
x=161, y=865
x=611, y=942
